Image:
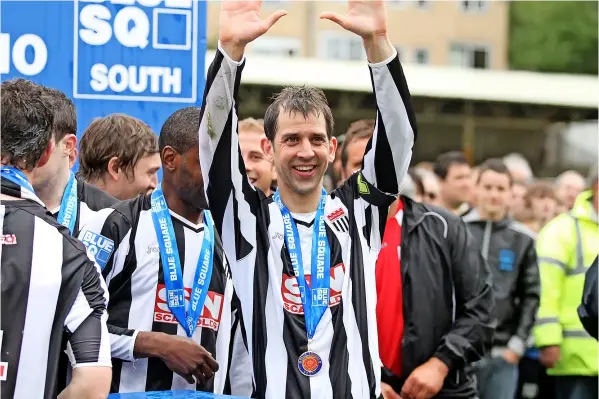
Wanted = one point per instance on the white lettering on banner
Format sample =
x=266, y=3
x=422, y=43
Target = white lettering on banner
x=120, y=78
x=17, y=55
x=131, y=26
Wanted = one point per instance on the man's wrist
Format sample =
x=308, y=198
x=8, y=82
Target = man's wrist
x=149, y=344
x=378, y=48
x=439, y=365
x=234, y=50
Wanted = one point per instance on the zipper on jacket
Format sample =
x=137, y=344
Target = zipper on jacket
x=486, y=239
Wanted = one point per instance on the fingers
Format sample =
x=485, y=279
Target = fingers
x=211, y=363
x=273, y=18
x=206, y=371
x=336, y=18
x=189, y=378
x=199, y=375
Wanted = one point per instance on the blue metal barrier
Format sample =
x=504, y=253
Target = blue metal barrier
x=170, y=395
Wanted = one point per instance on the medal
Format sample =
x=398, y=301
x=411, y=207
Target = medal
x=68, y=205
x=309, y=363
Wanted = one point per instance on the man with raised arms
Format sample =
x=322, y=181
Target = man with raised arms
x=303, y=260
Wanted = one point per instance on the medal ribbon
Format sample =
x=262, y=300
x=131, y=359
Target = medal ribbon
x=16, y=176
x=315, y=297
x=68, y=205
x=171, y=265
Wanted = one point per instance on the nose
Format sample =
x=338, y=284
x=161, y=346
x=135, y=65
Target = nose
x=305, y=150
x=154, y=181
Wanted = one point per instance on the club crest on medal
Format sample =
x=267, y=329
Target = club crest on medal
x=309, y=363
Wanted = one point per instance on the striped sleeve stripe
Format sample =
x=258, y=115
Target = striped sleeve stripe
x=552, y=261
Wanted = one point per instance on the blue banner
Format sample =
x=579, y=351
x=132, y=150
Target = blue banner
x=144, y=58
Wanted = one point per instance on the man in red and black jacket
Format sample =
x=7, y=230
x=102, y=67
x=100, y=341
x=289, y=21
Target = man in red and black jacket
x=434, y=300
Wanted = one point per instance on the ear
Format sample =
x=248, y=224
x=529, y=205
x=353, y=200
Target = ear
x=113, y=168
x=73, y=158
x=267, y=149
x=171, y=159
x=46, y=154
x=332, y=149
x=70, y=145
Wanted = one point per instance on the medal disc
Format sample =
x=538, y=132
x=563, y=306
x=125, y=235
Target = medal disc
x=309, y=363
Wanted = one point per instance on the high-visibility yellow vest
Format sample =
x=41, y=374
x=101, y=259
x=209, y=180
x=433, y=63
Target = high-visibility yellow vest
x=566, y=248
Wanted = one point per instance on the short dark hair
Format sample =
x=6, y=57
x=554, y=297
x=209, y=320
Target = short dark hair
x=495, y=165
x=116, y=135
x=305, y=100
x=361, y=129
x=446, y=161
x=65, y=117
x=180, y=130
x=417, y=179
x=27, y=123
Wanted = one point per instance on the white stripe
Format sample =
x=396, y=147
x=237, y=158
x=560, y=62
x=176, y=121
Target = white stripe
x=44, y=288
x=141, y=314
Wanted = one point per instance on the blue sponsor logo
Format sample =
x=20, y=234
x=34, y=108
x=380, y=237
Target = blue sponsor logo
x=99, y=247
x=506, y=260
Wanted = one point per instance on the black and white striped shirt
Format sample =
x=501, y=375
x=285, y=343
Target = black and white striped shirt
x=90, y=200
x=51, y=292
x=252, y=230
x=135, y=281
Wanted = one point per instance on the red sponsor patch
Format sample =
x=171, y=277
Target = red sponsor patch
x=290, y=291
x=3, y=371
x=211, y=313
x=8, y=239
x=335, y=214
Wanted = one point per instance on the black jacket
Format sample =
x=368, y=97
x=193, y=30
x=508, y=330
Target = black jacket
x=447, y=298
x=508, y=247
x=587, y=311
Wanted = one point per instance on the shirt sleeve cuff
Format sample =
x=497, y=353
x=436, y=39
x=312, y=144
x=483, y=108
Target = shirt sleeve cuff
x=132, y=347
x=382, y=63
x=517, y=345
x=229, y=59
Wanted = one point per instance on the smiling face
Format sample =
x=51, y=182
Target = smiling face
x=302, y=151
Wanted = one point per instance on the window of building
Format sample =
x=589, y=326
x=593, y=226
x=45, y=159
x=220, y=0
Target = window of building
x=474, y=5
x=340, y=46
x=277, y=46
x=421, y=56
x=422, y=4
x=469, y=56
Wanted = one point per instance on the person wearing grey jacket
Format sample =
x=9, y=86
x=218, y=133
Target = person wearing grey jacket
x=508, y=247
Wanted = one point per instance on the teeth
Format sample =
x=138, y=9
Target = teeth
x=304, y=168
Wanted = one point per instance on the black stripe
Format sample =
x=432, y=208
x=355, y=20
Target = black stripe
x=260, y=290
x=345, y=223
x=306, y=224
x=386, y=180
x=210, y=76
x=367, y=229
x=16, y=275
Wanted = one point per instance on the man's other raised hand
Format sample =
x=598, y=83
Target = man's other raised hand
x=240, y=24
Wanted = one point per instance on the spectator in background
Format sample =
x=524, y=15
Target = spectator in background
x=568, y=186
x=119, y=154
x=352, y=151
x=335, y=167
x=566, y=248
x=430, y=183
x=517, y=205
x=418, y=185
x=542, y=202
x=508, y=248
x=455, y=180
x=519, y=168
x=257, y=154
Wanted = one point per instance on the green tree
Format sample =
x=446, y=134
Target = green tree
x=549, y=36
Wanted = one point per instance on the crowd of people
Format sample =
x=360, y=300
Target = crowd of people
x=277, y=260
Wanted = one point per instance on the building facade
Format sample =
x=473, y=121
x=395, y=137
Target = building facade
x=468, y=33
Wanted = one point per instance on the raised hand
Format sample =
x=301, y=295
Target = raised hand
x=240, y=24
x=367, y=19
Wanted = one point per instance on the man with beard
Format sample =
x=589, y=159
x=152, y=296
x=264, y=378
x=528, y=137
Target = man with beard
x=161, y=251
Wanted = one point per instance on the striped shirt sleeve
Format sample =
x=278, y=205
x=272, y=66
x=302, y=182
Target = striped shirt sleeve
x=111, y=225
x=89, y=343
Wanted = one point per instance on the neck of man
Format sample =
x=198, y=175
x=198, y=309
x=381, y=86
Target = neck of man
x=108, y=185
x=300, y=203
x=51, y=191
x=178, y=205
x=492, y=216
